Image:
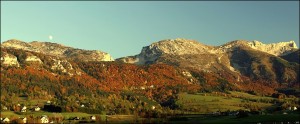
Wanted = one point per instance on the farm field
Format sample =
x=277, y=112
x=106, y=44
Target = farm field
x=206, y=103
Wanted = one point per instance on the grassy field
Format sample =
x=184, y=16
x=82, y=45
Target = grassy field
x=249, y=96
x=26, y=101
x=206, y=103
x=10, y=114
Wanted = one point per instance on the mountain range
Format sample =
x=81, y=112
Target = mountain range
x=239, y=62
x=237, y=65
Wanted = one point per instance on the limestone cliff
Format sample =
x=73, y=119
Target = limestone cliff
x=58, y=50
x=9, y=60
x=234, y=59
x=277, y=49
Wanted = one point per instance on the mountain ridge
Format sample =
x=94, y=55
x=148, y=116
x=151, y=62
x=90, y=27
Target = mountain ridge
x=58, y=50
x=181, y=46
x=234, y=59
x=168, y=46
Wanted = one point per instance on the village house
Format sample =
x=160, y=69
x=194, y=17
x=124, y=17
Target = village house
x=93, y=117
x=24, y=109
x=76, y=118
x=153, y=107
x=144, y=87
x=37, y=109
x=294, y=108
x=44, y=119
x=24, y=120
x=5, y=120
x=4, y=108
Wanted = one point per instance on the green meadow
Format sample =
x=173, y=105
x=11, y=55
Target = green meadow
x=206, y=103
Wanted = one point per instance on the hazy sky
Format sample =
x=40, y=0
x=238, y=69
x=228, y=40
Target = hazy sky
x=123, y=28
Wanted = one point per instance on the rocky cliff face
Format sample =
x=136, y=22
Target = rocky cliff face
x=176, y=47
x=9, y=60
x=33, y=59
x=277, y=49
x=19, y=58
x=58, y=50
x=167, y=47
x=233, y=60
x=191, y=47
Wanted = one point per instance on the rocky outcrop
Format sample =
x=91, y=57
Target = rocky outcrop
x=58, y=50
x=107, y=57
x=33, y=59
x=167, y=47
x=64, y=66
x=61, y=65
x=277, y=49
x=176, y=47
x=9, y=60
x=230, y=46
x=23, y=59
x=16, y=44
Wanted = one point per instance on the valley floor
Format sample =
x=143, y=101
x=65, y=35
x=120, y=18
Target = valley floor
x=233, y=107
